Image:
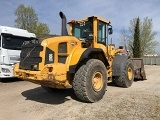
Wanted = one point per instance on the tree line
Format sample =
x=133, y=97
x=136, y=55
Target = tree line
x=139, y=38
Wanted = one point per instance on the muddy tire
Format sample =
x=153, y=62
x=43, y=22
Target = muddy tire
x=90, y=81
x=127, y=77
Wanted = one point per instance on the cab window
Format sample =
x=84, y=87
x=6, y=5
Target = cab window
x=101, y=32
x=81, y=29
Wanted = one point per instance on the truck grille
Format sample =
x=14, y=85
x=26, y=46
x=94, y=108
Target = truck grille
x=30, y=56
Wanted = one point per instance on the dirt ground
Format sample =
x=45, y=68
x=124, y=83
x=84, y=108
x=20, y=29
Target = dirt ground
x=21, y=100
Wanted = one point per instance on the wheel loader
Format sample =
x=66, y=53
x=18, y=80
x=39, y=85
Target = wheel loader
x=80, y=58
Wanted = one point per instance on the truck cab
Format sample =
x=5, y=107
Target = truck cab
x=11, y=40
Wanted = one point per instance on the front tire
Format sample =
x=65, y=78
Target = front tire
x=127, y=77
x=90, y=81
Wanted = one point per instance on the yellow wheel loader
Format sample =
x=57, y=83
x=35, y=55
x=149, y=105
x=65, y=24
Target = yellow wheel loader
x=82, y=59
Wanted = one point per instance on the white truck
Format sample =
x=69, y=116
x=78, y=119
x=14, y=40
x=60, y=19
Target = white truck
x=11, y=40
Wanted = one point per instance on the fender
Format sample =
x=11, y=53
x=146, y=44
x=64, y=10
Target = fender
x=82, y=54
x=118, y=64
x=76, y=55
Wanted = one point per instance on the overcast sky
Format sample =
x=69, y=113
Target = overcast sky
x=119, y=12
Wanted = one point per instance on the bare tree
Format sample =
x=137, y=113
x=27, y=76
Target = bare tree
x=124, y=38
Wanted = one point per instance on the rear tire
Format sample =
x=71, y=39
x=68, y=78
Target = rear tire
x=127, y=77
x=90, y=81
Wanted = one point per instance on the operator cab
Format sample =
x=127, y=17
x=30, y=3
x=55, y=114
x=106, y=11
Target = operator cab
x=91, y=31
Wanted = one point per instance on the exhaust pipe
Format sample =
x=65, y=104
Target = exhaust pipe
x=64, y=31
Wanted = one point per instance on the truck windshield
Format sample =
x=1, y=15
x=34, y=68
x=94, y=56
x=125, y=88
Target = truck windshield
x=13, y=42
x=81, y=29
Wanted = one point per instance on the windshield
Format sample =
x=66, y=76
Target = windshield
x=80, y=30
x=13, y=42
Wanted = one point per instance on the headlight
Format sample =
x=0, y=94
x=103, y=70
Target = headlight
x=5, y=70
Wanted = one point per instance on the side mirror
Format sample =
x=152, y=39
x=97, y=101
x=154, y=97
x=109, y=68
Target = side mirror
x=110, y=31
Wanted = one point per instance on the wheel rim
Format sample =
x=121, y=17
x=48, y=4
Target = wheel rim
x=97, y=81
x=130, y=73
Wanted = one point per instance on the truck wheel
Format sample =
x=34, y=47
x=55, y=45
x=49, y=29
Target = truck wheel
x=127, y=77
x=90, y=81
